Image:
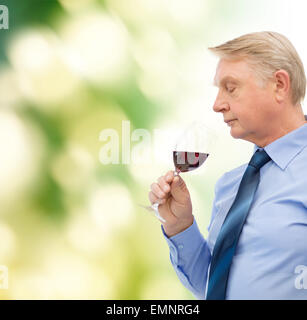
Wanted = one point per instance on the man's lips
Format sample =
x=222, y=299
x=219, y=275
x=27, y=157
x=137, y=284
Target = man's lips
x=226, y=121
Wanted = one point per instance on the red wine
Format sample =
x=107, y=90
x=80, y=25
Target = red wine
x=187, y=161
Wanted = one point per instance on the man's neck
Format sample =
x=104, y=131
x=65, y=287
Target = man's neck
x=283, y=127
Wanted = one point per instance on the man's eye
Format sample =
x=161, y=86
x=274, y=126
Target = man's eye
x=231, y=89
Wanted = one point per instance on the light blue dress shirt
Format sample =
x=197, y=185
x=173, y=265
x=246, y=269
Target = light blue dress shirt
x=271, y=257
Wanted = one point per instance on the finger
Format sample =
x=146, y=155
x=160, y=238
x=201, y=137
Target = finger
x=179, y=190
x=163, y=184
x=155, y=188
x=169, y=176
x=153, y=199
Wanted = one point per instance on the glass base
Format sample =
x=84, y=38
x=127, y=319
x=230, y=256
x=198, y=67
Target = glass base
x=154, y=208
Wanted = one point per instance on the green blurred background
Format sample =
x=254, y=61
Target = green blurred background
x=70, y=226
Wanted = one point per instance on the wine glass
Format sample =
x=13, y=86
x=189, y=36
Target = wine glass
x=191, y=150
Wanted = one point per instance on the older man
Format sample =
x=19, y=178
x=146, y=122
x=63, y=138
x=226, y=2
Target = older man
x=256, y=244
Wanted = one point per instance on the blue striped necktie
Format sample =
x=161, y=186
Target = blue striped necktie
x=227, y=240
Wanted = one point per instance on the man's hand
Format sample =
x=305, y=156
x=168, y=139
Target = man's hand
x=175, y=207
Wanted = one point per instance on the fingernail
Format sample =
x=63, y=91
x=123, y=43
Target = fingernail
x=165, y=188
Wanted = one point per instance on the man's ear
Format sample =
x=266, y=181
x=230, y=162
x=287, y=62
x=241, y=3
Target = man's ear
x=282, y=85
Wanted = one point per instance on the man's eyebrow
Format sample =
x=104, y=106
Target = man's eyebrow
x=225, y=80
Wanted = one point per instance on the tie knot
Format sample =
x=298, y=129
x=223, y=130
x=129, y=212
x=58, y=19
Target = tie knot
x=259, y=159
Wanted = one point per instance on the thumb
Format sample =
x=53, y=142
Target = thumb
x=179, y=190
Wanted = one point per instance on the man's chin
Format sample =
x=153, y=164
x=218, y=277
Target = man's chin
x=236, y=133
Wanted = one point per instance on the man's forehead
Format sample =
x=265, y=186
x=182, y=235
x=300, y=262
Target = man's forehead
x=218, y=82
x=230, y=71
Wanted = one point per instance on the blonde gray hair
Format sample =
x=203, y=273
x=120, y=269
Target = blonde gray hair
x=266, y=52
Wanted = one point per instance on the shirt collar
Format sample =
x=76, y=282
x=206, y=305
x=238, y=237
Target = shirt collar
x=284, y=149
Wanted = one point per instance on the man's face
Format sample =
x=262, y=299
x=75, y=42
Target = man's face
x=242, y=99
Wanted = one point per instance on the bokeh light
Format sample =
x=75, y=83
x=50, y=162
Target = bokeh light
x=42, y=73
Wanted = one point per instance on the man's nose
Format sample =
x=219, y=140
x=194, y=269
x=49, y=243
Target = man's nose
x=220, y=104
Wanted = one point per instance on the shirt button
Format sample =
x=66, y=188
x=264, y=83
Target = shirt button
x=180, y=246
